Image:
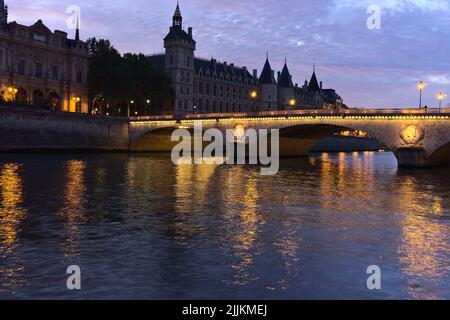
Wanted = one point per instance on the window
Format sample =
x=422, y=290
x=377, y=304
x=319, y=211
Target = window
x=21, y=67
x=1, y=57
x=38, y=71
x=171, y=59
x=185, y=104
x=79, y=76
x=188, y=61
x=55, y=73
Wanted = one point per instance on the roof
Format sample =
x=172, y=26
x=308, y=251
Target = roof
x=158, y=61
x=267, y=76
x=176, y=33
x=214, y=67
x=221, y=68
x=314, y=84
x=285, y=80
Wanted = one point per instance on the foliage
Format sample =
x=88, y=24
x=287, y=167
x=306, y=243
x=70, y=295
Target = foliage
x=115, y=81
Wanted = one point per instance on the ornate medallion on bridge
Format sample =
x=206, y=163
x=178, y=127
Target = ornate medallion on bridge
x=412, y=134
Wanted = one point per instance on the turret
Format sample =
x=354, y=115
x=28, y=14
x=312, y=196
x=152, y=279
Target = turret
x=268, y=88
x=286, y=89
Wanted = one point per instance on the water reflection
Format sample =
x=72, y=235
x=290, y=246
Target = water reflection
x=240, y=198
x=11, y=215
x=74, y=208
x=222, y=231
x=424, y=239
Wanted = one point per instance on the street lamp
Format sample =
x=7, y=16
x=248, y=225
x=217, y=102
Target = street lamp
x=440, y=97
x=254, y=96
x=129, y=108
x=292, y=102
x=421, y=86
x=146, y=106
x=12, y=91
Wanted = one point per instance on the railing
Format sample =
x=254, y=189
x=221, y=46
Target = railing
x=293, y=113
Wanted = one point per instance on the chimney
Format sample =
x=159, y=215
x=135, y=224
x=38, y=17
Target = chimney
x=224, y=63
x=255, y=74
x=278, y=74
x=273, y=74
x=296, y=85
x=190, y=31
x=232, y=65
x=320, y=85
x=245, y=68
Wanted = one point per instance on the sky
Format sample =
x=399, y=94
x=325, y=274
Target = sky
x=369, y=67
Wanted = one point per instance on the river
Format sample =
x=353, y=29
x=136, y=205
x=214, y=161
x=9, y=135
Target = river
x=140, y=227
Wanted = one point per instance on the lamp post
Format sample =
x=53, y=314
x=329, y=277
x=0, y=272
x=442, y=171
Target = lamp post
x=129, y=108
x=147, y=104
x=421, y=86
x=254, y=96
x=12, y=91
x=440, y=97
x=292, y=103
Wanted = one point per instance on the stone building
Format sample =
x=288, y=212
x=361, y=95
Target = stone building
x=209, y=86
x=203, y=86
x=43, y=68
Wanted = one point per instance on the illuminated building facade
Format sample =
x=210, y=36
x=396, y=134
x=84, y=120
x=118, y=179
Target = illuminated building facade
x=209, y=86
x=42, y=68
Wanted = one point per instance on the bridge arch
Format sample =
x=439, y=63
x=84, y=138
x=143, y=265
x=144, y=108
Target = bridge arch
x=153, y=140
x=298, y=140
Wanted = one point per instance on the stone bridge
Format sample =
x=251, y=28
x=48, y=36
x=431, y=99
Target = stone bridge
x=418, y=138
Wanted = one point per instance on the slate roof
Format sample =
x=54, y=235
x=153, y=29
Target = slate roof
x=314, y=84
x=285, y=80
x=158, y=62
x=221, y=68
x=266, y=74
x=176, y=33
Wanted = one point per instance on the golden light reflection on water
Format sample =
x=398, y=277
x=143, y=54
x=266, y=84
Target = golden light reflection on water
x=11, y=215
x=191, y=191
x=73, y=210
x=241, y=204
x=424, y=240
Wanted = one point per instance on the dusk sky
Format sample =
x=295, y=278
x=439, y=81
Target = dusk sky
x=368, y=68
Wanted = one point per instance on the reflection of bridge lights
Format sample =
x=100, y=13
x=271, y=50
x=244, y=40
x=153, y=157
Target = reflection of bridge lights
x=239, y=131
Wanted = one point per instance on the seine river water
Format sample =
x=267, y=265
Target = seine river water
x=140, y=227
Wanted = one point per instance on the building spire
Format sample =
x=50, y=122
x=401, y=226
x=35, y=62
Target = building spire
x=77, y=32
x=177, y=17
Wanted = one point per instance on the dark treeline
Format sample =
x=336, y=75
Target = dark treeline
x=119, y=84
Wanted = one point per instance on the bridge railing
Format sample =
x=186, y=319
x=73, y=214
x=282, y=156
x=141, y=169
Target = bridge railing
x=293, y=113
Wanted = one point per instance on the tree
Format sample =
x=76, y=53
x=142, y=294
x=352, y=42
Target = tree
x=119, y=80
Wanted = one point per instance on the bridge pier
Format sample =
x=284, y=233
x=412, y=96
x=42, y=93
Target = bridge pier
x=412, y=157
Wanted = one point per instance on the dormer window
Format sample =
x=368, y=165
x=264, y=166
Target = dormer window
x=39, y=37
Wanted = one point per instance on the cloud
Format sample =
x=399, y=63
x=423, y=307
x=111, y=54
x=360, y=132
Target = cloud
x=443, y=79
x=367, y=67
